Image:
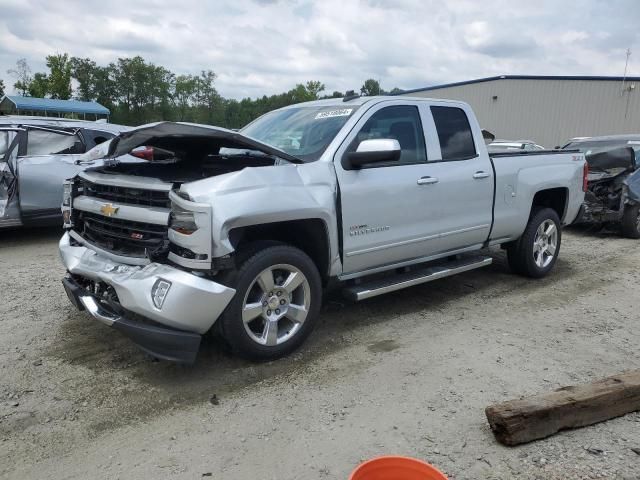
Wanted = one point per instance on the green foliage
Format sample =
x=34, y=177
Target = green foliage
x=1, y=87
x=39, y=85
x=59, y=79
x=137, y=91
x=371, y=87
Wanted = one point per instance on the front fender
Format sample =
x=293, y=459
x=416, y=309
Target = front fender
x=262, y=195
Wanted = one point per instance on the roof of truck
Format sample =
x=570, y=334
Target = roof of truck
x=361, y=100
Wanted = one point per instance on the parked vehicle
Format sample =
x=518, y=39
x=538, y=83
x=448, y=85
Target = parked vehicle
x=241, y=231
x=613, y=194
x=513, y=145
x=36, y=155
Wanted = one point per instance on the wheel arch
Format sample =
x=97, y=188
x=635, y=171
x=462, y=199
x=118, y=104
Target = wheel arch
x=309, y=235
x=553, y=198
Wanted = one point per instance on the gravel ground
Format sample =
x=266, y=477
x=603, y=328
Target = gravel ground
x=408, y=373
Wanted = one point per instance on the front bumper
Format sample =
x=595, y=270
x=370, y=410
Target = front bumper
x=191, y=305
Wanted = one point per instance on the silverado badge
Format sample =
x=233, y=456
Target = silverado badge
x=109, y=210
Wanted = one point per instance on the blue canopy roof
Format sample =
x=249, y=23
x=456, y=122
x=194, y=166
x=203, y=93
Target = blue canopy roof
x=53, y=105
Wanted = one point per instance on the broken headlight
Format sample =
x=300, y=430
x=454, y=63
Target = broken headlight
x=181, y=220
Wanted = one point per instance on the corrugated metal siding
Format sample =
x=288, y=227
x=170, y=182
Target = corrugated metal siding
x=550, y=112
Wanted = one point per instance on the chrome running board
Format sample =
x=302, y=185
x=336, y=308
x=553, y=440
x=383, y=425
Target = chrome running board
x=432, y=272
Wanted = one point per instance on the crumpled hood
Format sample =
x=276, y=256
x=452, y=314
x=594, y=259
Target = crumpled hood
x=173, y=135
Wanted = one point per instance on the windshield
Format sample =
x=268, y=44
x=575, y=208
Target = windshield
x=598, y=146
x=303, y=132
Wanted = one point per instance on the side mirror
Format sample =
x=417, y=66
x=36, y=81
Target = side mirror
x=372, y=151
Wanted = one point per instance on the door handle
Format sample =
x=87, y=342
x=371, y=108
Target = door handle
x=427, y=180
x=480, y=174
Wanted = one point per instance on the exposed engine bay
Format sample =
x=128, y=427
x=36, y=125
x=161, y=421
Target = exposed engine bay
x=178, y=153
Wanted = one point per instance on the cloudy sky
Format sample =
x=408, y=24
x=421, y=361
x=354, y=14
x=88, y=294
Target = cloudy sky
x=267, y=46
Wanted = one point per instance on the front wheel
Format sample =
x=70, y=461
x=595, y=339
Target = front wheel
x=536, y=251
x=277, y=302
x=631, y=221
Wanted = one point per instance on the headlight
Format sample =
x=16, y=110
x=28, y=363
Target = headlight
x=159, y=292
x=181, y=220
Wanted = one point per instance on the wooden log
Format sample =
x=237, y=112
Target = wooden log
x=532, y=418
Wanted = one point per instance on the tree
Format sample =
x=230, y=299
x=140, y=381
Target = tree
x=39, y=85
x=59, y=76
x=314, y=87
x=1, y=87
x=371, y=87
x=396, y=91
x=22, y=74
x=185, y=94
x=84, y=71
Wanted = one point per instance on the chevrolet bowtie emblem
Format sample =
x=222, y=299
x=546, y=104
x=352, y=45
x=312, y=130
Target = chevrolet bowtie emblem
x=109, y=210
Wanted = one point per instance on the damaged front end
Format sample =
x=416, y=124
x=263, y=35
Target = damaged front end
x=613, y=184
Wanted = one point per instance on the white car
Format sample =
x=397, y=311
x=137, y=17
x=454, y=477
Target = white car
x=513, y=145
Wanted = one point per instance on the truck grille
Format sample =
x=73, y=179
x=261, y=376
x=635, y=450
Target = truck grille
x=131, y=196
x=121, y=236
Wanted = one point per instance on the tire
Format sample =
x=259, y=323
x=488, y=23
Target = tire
x=259, y=326
x=631, y=221
x=535, y=253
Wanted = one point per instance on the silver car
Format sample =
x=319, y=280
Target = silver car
x=36, y=155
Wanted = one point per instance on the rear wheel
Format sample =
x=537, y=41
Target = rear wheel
x=631, y=221
x=535, y=253
x=277, y=302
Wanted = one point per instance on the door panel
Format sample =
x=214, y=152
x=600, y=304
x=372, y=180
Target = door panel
x=47, y=163
x=40, y=181
x=460, y=204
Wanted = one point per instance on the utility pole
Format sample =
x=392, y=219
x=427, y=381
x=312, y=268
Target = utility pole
x=626, y=65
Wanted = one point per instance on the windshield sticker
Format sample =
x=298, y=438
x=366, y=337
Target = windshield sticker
x=343, y=112
x=633, y=142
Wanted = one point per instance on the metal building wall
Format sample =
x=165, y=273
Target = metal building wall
x=549, y=111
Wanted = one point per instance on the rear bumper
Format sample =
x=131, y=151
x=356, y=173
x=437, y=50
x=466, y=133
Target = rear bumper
x=191, y=304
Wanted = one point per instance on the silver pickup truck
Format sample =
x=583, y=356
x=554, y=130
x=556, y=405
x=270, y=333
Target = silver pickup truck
x=240, y=232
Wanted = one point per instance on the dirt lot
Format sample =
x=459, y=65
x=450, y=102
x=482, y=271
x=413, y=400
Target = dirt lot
x=408, y=373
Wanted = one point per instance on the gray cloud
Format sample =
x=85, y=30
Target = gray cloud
x=266, y=46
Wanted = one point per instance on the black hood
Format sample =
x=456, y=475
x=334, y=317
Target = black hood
x=181, y=136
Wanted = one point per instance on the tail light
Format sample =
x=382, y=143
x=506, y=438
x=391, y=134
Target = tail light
x=585, y=177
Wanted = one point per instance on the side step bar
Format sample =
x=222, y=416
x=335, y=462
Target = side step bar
x=415, y=277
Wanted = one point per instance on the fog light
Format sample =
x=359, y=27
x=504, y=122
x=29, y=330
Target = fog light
x=159, y=292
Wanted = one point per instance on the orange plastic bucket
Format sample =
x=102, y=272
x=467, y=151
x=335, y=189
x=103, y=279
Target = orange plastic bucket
x=396, y=468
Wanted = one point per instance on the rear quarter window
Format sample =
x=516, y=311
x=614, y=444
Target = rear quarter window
x=454, y=133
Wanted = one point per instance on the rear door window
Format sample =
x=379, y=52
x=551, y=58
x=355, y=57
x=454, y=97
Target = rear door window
x=454, y=133
x=46, y=142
